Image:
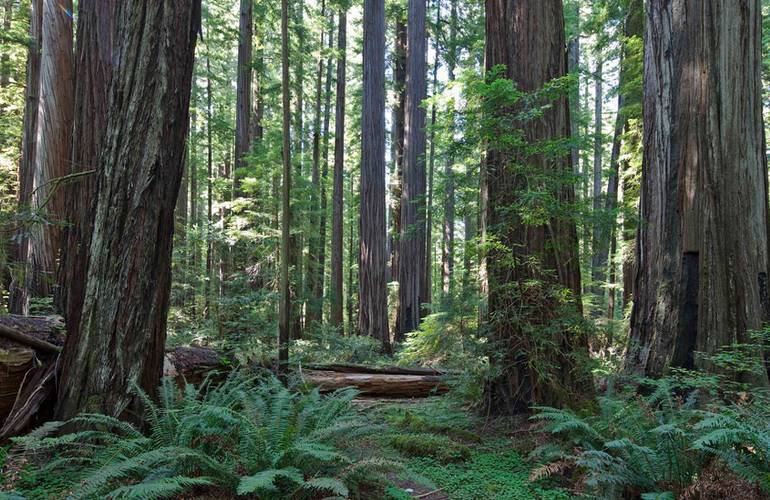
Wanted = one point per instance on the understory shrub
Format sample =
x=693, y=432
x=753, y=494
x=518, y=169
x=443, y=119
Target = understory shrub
x=657, y=445
x=245, y=437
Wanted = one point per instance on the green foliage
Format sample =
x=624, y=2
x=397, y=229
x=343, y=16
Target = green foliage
x=656, y=444
x=436, y=446
x=498, y=474
x=325, y=344
x=242, y=436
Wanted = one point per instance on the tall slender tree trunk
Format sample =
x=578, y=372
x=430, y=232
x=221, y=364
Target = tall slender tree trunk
x=94, y=63
x=312, y=305
x=598, y=273
x=285, y=305
x=351, y=258
x=243, y=89
x=702, y=252
x=192, y=151
x=123, y=323
x=53, y=136
x=573, y=67
x=399, y=87
x=448, y=234
x=428, y=270
x=339, y=158
x=318, y=292
x=528, y=38
x=299, y=208
x=18, y=289
x=372, y=268
x=209, y=196
x=412, y=239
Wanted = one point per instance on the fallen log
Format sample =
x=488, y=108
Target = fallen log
x=378, y=384
x=29, y=347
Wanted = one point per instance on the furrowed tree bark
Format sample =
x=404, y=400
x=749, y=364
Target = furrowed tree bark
x=53, y=137
x=94, y=73
x=339, y=157
x=243, y=89
x=18, y=290
x=284, y=306
x=702, y=252
x=372, y=280
x=528, y=38
x=573, y=67
x=123, y=325
x=411, y=264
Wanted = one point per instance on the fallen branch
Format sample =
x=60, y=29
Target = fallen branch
x=20, y=338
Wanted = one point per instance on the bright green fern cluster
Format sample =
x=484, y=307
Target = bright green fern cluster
x=242, y=437
x=656, y=444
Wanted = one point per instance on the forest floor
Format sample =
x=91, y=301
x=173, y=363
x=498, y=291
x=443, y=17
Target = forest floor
x=450, y=453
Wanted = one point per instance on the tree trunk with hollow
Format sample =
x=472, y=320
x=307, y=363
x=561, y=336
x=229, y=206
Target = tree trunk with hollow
x=702, y=249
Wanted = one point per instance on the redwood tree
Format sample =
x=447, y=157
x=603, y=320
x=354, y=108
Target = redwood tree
x=243, y=87
x=94, y=60
x=373, y=283
x=702, y=250
x=335, y=317
x=122, y=330
x=52, y=144
x=411, y=261
x=532, y=277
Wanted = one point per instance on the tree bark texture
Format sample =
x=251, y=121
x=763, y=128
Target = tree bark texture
x=372, y=280
x=243, y=89
x=598, y=273
x=52, y=150
x=527, y=36
x=18, y=290
x=702, y=252
x=337, y=189
x=123, y=324
x=411, y=266
x=93, y=60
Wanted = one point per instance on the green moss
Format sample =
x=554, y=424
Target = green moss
x=435, y=446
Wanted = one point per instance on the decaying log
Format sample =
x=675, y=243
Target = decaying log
x=29, y=348
x=378, y=384
x=385, y=370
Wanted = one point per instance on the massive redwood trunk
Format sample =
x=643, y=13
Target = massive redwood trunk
x=123, y=325
x=399, y=84
x=538, y=352
x=702, y=252
x=52, y=149
x=373, y=282
x=93, y=60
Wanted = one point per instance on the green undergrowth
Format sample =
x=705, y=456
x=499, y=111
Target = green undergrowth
x=497, y=473
x=438, y=442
